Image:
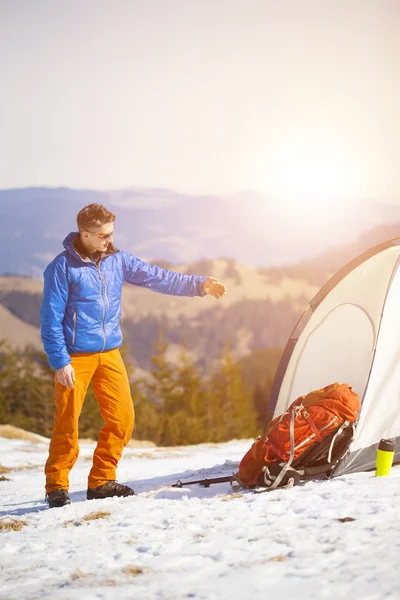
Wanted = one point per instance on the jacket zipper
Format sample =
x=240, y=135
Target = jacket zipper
x=74, y=331
x=104, y=307
x=106, y=290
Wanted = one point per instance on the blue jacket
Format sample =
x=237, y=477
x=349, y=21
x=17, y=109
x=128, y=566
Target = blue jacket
x=81, y=309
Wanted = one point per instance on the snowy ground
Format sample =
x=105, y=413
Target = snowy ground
x=201, y=543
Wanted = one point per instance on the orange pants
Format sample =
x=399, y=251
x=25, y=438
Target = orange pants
x=112, y=390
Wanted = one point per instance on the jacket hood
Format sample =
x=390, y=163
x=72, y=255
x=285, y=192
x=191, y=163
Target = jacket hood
x=69, y=245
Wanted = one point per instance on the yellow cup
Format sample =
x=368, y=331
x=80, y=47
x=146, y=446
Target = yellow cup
x=384, y=458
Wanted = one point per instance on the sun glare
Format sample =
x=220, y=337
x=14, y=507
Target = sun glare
x=312, y=175
x=307, y=176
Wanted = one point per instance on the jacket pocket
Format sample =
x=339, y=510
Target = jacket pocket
x=74, y=328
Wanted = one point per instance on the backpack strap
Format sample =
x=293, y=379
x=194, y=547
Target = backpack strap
x=313, y=426
x=286, y=466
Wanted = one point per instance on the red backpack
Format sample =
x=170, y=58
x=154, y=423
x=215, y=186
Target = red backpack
x=309, y=439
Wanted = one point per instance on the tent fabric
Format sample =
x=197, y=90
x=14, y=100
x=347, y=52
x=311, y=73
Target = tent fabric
x=350, y=333
x=363, y=459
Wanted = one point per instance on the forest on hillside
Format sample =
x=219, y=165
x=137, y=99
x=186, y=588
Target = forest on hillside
x=176, y=406
x=266, y=324
x=209, y=393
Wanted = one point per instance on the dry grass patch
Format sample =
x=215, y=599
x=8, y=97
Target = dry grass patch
x=16, y=433
x=140, y=444
x=146, y=455
x=159, y=454
x=77, y=574
x=88, y=579
x=74, y=522
x=233, y=496
x=12, y=524
x=134, y=571
x=101, y=514
x=108, y=583
x=133, y=541
x=4, y=470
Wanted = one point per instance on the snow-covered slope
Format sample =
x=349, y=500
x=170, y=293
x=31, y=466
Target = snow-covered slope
x=327, y=539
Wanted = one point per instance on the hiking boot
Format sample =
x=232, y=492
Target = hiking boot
x=57, y=498
x=108, y=490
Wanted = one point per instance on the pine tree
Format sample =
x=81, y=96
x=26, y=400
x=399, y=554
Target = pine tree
x=188, y=422
x=231, y=405
x=177, y=399
x=162, y=392
x=24, y=389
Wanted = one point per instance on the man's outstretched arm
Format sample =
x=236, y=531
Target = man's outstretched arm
x=169, y=282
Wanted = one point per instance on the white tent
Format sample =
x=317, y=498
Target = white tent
x=350, y=333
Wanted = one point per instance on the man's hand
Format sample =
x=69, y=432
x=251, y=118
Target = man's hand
x=66, y=376
x=214, y=287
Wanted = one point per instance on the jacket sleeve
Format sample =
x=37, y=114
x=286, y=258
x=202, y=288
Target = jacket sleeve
x=55, y=297
x=160, y=280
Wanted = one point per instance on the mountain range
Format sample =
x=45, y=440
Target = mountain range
x=158, y=224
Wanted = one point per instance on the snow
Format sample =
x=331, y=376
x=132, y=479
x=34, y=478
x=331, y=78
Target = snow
x=195, y=542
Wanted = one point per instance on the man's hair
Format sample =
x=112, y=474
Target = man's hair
x=94, y=215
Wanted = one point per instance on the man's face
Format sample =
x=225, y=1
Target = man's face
x=98, y=238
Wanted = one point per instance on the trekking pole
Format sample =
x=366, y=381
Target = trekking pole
x=203, y=482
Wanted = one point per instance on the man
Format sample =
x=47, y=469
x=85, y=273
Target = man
x=80, y=327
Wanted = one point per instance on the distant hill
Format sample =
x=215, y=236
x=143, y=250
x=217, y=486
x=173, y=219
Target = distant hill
x=259, y=312
x=334, y=258
x=18, y=333
x=248, y=227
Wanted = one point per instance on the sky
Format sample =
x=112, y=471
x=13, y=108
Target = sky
x=292, y=98
x=330, y=540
